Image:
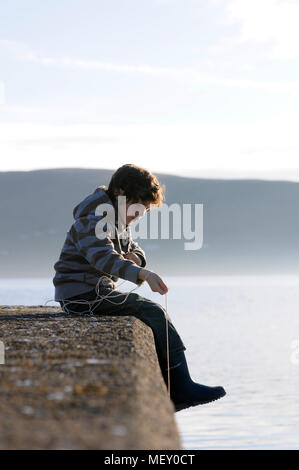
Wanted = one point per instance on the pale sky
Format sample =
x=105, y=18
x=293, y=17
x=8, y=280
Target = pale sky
x=195, y=87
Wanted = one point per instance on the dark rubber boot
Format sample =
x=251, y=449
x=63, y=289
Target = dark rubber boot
x=183, y=391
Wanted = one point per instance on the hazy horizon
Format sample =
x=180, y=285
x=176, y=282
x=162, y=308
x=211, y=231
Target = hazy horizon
x=190, y=173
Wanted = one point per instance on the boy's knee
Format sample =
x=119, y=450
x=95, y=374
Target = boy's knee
x=148, y=306
x=155, y=310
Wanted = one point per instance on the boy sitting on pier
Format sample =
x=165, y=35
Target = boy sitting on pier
x=89, y=265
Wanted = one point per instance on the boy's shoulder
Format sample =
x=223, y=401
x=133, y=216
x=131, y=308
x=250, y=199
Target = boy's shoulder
x=88, y=205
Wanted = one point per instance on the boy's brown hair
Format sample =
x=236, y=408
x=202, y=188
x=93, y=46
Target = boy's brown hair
x=138, y=184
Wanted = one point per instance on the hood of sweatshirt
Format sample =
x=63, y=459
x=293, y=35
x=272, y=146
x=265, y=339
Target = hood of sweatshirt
x=89, y=204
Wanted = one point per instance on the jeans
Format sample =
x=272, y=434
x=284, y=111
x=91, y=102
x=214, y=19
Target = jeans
x=151, y=313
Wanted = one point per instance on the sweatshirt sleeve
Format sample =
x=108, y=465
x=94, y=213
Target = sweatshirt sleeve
x=135, y=248
x=100, y=253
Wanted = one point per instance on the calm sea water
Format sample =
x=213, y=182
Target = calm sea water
x=241, y=333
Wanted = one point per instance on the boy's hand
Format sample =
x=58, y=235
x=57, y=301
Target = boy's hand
x=155, y=282
x=133, y=257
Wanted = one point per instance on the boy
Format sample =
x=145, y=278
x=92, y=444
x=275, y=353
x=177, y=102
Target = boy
x=92, y=260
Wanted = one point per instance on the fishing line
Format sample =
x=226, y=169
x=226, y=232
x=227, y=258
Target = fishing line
x=167, y=346
x=104, y=281
x=167, y=343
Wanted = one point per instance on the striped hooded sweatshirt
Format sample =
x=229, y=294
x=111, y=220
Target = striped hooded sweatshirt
x=85, y=257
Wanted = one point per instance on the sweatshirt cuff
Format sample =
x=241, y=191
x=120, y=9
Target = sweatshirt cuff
x=132, y=274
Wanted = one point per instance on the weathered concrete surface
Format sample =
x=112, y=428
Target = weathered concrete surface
x=81, y=383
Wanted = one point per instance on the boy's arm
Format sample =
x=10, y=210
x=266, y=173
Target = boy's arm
x=135, y=248
x=100, y=253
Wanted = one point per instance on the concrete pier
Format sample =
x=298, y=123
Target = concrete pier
x=81, y=383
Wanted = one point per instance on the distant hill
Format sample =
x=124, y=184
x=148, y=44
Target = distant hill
x=250, y=226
